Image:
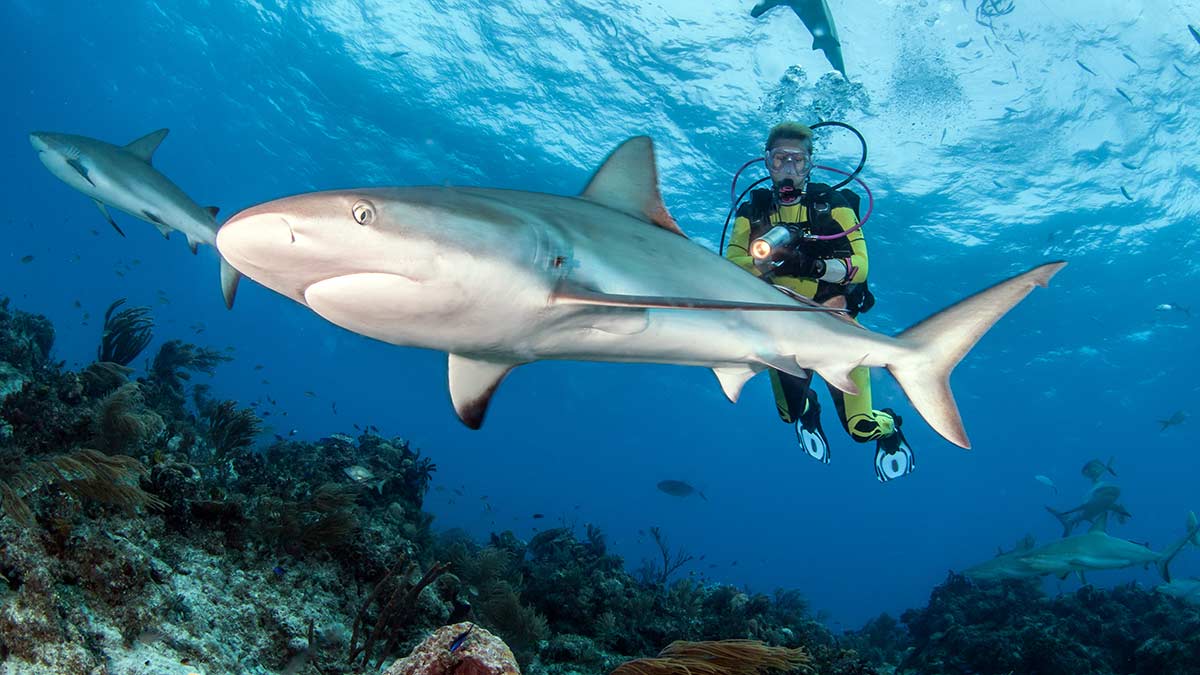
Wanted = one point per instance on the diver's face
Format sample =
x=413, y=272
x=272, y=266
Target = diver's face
x=789, y=162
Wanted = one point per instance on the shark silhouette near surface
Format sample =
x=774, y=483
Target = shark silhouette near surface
x=819, y=21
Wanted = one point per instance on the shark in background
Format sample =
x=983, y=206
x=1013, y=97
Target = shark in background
x=499, y=278
x=1082, y=553
x=1101, y=500
x=818, y=20
x=124, y=177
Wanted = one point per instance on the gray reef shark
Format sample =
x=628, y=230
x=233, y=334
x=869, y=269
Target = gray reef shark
x=124, y=177
x=819, y=21
x=499, y=278
x=1082, y=553
x=1184, y=589
x=1101, y=500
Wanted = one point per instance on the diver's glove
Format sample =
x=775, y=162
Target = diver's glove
x=800, y=264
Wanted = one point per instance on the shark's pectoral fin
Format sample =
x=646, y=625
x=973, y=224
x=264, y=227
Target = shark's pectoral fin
x=569, y=293
x=628, y=182
x=81, y=170
x=733, y=378
x=229, y=282
x=763, y=7
x=144, y=147
x=193, y=243
x=472, y=383
x=104, y=211
x=212, y=211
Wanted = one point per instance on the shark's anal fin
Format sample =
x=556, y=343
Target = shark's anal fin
x=83, y=171
x=569, y=293
x=193, y=243
x=472, y=383
x=144, y=147
x=733, y=378
x=104, y=212
x=158, y=223
x=628, y=182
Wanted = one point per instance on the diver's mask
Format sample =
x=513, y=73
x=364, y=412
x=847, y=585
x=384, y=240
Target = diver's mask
x=789, y=167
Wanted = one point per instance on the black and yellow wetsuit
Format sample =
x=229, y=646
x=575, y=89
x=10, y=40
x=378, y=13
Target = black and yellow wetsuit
x=833, y=215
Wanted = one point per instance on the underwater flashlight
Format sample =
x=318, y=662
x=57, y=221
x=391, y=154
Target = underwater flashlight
x=776, y=239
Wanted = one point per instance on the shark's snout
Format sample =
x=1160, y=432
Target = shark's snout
x=39, y=142
x=255, y=238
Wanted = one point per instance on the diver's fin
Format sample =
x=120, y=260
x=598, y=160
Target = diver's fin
x=569, y=293
x=627, y=181
x=104, y=211
x=229, y=282
x=938, y=343
x=193, y=243
x=144, y=147
x=472, y=383
x=733, y=378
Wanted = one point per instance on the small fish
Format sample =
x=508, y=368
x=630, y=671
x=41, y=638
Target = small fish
x=293, y=432
x=258, y=366
x=310, y=394
x=1180, y=71
x=150, y=636
x=999, y=82
x=1094, y=469
x=78, y=305
x=278, y=437
x=1130, y=59
x=358, y=428
x=997, y=184
x=374, y=428
x=1129, y=165
x=1045, y=480
x=333, y=406
x=1015, y=73
x=1195, y=34
x=964, y=43
x=537, y=516
x=397, y=54
x=278, y=571
x=1013, y=110
x=1085, y=67
x=1168, y=307
x=1173, y=421
x=1126, y=193
x=1122, y=93
x=943, y=136
x=27, y=259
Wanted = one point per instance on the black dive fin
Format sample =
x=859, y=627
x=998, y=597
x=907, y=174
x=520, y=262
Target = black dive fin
x=104, y=210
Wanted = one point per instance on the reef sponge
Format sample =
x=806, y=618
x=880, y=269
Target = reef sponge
x=123, y=421
x=719, y=657
x=91, y=474
x=480, y=653
x=126, y=333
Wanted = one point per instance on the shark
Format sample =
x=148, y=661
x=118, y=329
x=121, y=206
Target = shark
x=125, y=178
x=1101, y=500
x=499, y=278
x=1083, y=553
x=817, y=18
x=1184, y=589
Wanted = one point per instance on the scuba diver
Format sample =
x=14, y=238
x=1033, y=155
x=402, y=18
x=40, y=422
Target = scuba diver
x=805, y=239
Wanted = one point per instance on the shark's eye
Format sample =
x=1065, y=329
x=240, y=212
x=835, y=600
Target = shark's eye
x=363, y=211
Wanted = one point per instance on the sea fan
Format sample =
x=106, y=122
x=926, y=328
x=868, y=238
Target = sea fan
x=720, y=657
x=86, y=473
x=126, y=333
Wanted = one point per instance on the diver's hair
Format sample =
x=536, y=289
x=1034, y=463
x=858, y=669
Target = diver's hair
x=794, y=130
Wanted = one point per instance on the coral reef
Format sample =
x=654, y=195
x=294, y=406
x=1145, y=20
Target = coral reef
x=478, y=653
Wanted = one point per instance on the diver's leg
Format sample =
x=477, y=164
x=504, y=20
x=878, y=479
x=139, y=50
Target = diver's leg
x=893, y=456
x=797, y=404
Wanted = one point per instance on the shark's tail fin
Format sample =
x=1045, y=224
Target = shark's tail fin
x=1062, y=518
x=229, y=281
x=938, y=343
x=1192, y=537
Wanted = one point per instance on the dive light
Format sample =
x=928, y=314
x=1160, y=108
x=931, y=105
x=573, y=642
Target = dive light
x=776, y=240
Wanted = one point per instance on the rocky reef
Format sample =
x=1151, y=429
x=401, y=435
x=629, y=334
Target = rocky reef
x=148, y=528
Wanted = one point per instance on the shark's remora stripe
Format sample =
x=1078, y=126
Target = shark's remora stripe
x=498, y=278
x=124, y=177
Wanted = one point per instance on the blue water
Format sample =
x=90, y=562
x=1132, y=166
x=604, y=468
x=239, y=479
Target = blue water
x=986, y=159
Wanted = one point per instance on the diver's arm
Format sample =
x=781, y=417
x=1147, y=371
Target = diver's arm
x=738, y=249
x=852, y=270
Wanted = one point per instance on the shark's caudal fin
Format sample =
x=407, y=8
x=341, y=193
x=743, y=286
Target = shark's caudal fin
x=1062, y=518
x=938, y=343
x=1192, y=536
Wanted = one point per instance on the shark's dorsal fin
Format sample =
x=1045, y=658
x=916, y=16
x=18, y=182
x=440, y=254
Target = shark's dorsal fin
x=145, y=146
x=472, y=383
x=628, y=182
